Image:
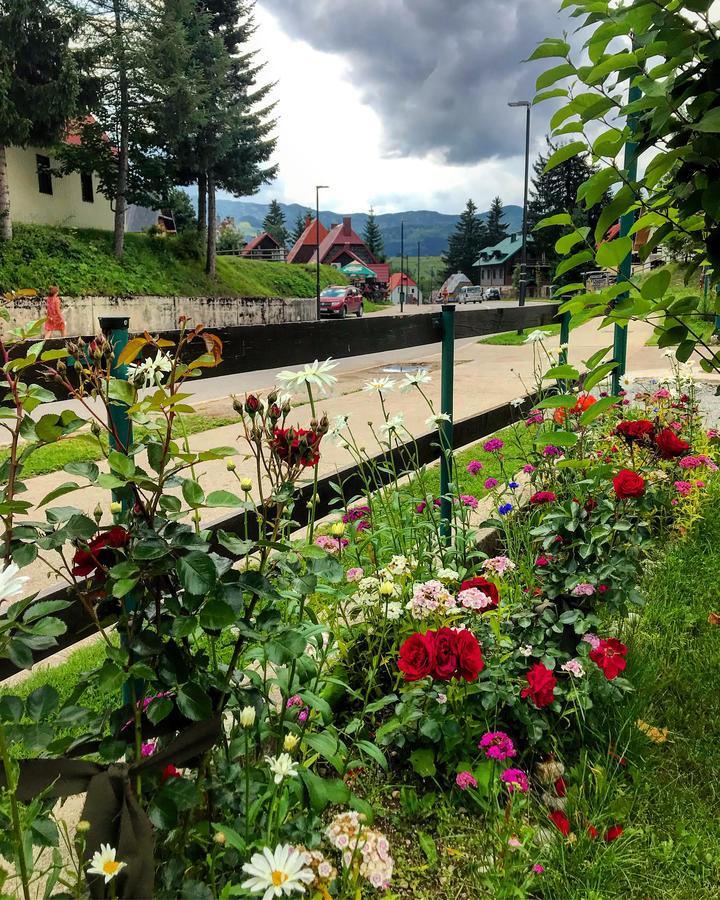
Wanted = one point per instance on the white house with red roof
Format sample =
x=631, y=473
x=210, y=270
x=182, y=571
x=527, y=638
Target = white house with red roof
x=398, y=282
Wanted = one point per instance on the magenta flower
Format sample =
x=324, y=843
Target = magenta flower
x=535, y=418
x=683, y=487
x=528, y=468
x=538, y=869
x=515, y=779
x=469, y=501
x=551, y=450
x=303, y=715
x=465, y=780
x=295, y=700
x=542, y=561
x=474, y=466
x=497, y=745
x=493, y=445
x=491, y=483
x=584, y=589
x=592, y=639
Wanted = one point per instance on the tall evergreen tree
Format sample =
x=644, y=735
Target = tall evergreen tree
x=555, y=192
x=373, y=237
x=496, y=227
x=300, y=226
x=464, y=244
x=182, y=209
x=38, y=82
x=274, y=223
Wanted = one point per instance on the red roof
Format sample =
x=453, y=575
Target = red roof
x=395, y=281
x=73, y=133
x=381, y=270
x=257, y=240
x=308, y=238
x=342, y=237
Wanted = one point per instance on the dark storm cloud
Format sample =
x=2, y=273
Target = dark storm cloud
x=439, y=73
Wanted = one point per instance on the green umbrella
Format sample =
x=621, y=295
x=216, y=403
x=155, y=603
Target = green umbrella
x=357, y=270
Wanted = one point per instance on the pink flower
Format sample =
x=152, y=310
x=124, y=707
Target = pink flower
x=497, y=745
x=473, y=598
x=542, y=561
x=538, y=869
x=592, y=639
x=493, y=445
x=662, y=394
x=514, y=842
x=465, y=780
x=515, y=779
x=499, y=565
x=303, y=715
x=333, y=545
x=535, y=418
x=491, y=483
x=355, y=573
x=295, y=700
x=148, y=748
x=584, y=589
x=469, y=501
x=528, y=468
x=683, y=487
x=474, y=466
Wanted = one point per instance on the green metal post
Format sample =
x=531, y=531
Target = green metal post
x=447, y=367
x=625, y=268
x=564, y=336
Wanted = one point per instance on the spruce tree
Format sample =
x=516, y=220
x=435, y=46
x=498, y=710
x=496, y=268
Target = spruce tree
x=465, y=243
x=373, y=237
x=274, y=223
x=496, y=227
x=300, y=226
x=555, y=192
x=38, y=83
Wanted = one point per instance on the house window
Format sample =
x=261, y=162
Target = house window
x=43, y=173
x=86, y=185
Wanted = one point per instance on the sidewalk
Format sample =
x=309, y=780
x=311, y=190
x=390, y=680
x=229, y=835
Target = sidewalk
x=485, y=376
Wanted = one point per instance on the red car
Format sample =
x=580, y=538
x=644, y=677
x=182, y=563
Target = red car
x=341, y=299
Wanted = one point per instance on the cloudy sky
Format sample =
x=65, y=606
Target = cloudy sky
x=402, y=104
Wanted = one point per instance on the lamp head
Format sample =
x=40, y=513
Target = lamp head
x=525, y=103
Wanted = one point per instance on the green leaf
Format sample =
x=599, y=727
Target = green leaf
x=235, y=545
x=549, y=95
x=82, y=469
x=121, y=463
x=194, y=702
x=576, y=259
x=597, y=409
x=11, y=709
x=217, y=614
x=123, y=587
x=67, y=487
x=710, y=122
x=423, y=761
x=566, y=242
x=621, y=203
x=612, y=253
x=565, y=371
x=197, y=573
x=286, y=647
x=323, y=791
x=193, y=493
x=598, y=374
x=224, y=499
x=557, y=219
x=596, y=357
x=374, y=752
x=41, y=703
x=559, y=438
x=609, y=143
x=563, y=153
x=656, y=285
x=561, y=401
x=121, y=391
x=324, y=743
x=610, y=65
x=427, y=845
x=550, y=48
x=550, y=76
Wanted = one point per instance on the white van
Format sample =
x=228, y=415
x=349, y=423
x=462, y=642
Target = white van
x=471, y=293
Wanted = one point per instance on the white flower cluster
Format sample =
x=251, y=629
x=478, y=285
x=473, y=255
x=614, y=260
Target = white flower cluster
x=363, y=847
x=430, y=597
x=150, y=372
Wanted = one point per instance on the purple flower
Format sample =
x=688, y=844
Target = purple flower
x=497, y=745
x=295, y=700
x=490, y=483
x=474, y=466
x=515, y=779
x=505, y=509
x=303, y=714
x=469, y=500
x=493, y=445
x=551, y=450
x=465, y=780
x=513, y=485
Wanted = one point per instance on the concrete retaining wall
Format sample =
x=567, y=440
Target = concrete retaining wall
x=162, y=313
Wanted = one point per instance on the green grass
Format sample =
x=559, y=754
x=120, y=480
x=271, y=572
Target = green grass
x=512, y=338
x=85, y=447
x=81, y=262
x=370, y=307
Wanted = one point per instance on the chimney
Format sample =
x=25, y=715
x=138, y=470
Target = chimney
x=347, y=227
x=513, y=237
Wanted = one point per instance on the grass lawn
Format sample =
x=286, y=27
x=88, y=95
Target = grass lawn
x=85, y=447
x=81, y=262
x=370, y=307
x=512, y=338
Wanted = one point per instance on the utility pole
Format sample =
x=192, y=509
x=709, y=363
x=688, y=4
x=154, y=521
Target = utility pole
x=318, y=188
x=402, y=257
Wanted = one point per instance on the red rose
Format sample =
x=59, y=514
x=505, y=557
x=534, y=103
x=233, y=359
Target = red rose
x=446, y=660
x=637, y=430
x=669, y=445
x=543, y=497
x=560, y=821
x=613, y=833
x=593, y=832
x=610, y=657
x=417, y=656
x=86, y=562
x=169, y=772
x=487, y=587
x=561, y=787
x=297, y=445
x=628, y=484
x=469, y=656
x=541, y=686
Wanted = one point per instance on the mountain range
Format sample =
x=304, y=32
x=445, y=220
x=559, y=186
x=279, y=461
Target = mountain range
x=431, y=228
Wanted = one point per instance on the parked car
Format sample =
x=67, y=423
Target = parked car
x=493, y=294
x=339, y=300
x=471, y=293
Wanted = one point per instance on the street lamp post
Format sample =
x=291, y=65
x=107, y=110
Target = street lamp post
x=418, y=271
x=523, y=251
x=318, y=188
x=402, y=257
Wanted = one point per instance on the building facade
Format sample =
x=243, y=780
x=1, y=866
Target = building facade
x=411, y=291
x=496, y=265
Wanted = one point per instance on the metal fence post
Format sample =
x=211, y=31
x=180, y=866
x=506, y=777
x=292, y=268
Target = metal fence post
x=445, y=430
x=116, y=331
x=564, y=337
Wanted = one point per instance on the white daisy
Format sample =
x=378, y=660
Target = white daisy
x=415, y=379
x=436, y=419
x=104, y=863
x=394, y=423
x=283, y=766
x=277, y=873
x=150, y=372
x=381, y=385
x=535, y=337
x=316, y=374
x=518, y=401
x=11, y=584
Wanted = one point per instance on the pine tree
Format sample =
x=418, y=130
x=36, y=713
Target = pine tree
x=555, y=192
x=274, y=223
x=38, y=83
x=465, y=243
x=300, y=226
x=373, y=237
x=496, y=227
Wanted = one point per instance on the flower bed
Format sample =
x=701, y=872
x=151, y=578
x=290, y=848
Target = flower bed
x=276, y=696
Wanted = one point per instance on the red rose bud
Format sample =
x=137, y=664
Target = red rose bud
x=593, y=832
x=560, y=821
x=635, y=430
x=561, y=787
x=669, y=445
x=252, y=404
x=541, y=497
x=169, y=772
x=613, y=833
